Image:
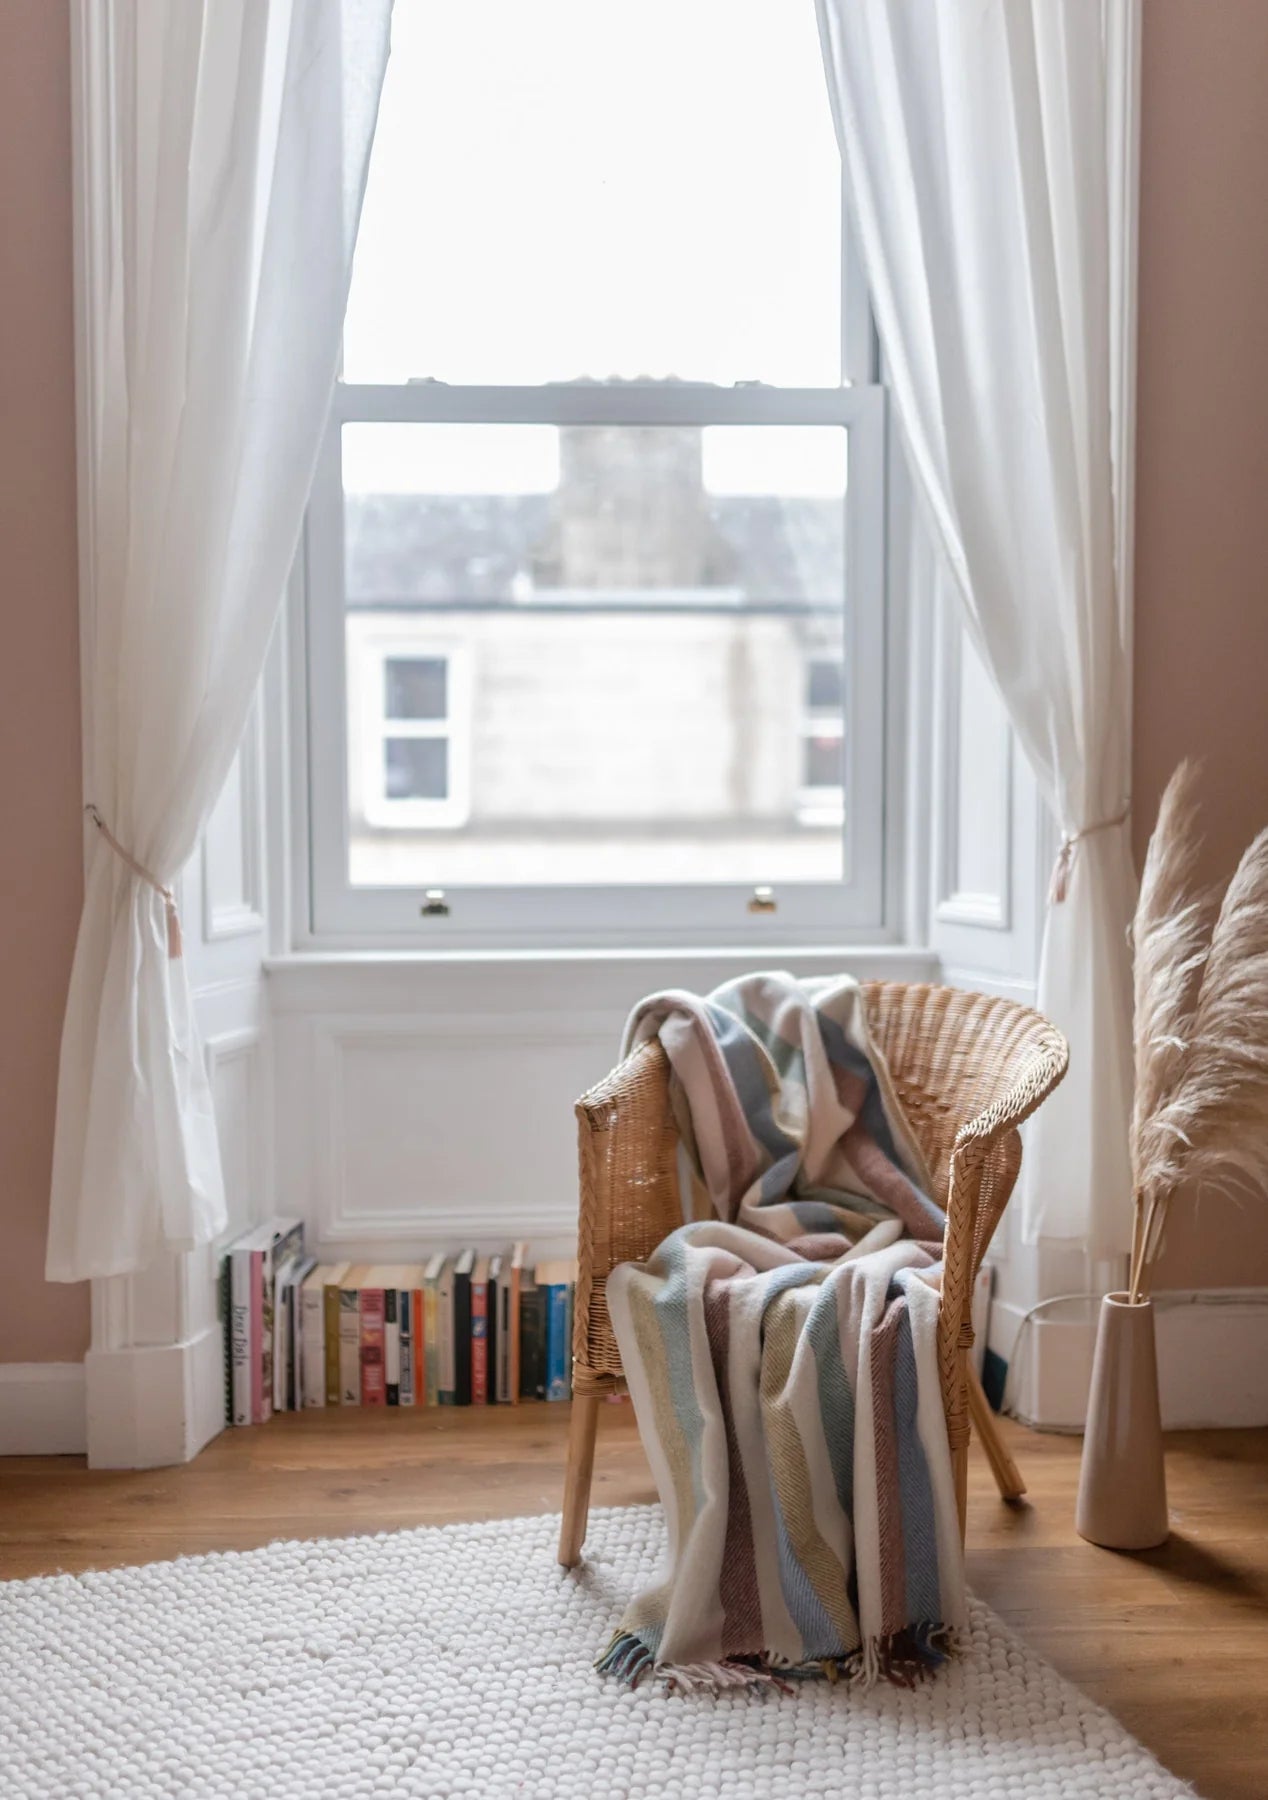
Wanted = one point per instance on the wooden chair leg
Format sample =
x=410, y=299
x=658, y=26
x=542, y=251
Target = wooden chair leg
x=581, y=1435
x=1007, y=1475
x=960, y=1469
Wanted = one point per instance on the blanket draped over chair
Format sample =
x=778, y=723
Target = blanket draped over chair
x=780, y=1351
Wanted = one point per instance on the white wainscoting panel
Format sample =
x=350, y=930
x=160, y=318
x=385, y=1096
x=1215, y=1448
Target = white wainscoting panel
x=238, y=1090
x=450, y=1128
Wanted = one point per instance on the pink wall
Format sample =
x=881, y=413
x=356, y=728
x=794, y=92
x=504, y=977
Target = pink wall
x=1202, y=474
x=1202, y=553
x=39, y=667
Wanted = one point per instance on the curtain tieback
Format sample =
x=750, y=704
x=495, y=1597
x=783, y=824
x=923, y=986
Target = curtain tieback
x=174, y=945
x=1069, y=846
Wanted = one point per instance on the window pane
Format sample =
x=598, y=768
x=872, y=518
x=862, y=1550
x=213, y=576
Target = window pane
x=568, y=189
x=636, y=610
x=823, y=762
x=416, y=768
x=823, y=685
x=415, y=687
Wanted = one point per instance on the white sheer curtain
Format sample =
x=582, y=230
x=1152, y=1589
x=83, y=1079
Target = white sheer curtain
x=229, y=140
x=977, y=140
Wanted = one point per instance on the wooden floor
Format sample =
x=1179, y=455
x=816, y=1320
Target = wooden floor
x=1175, y=1642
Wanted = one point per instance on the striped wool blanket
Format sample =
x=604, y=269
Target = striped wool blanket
x=780, y=1352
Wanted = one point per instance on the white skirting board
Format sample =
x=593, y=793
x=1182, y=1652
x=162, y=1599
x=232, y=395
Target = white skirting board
x=42, y=1409
x=123, y=1409
x=1212, y=1359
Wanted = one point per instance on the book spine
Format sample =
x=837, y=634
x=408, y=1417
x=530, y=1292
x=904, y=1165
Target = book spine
x=479, y=1343
x=224, y=1314
x=433, y=1356
x=504, y=1340
x=240, y=1333
x=405, y=1308
x=392, y=1346
x=491, y=1304
x=349, y=1347
x=281, y=1348
x=556, y=1342
x=516, y=1343
x=312, y=1337
x=462, y=1340
x=331, y=1329
x=533, y=1343
x=268, y=1326
x=261, y=1339
x=444, y=1340
x=295, y=1362
x=257, y=1329
x=418, y=1313
x=373, y=1388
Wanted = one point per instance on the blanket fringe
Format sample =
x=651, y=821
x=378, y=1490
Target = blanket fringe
x=902, y=1658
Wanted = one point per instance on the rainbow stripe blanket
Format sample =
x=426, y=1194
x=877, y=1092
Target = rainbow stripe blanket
x=780, y=1352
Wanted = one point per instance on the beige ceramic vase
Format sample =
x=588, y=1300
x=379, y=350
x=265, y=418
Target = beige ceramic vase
x=1122, y=1500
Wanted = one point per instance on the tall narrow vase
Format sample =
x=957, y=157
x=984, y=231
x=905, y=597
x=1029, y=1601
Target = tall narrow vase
x=1122, y=1500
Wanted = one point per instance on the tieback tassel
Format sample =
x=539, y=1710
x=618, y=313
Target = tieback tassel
x=175, y=945
x=1069, y=846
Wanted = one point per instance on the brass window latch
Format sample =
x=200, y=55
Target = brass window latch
x=434, y=906
x=762, y=900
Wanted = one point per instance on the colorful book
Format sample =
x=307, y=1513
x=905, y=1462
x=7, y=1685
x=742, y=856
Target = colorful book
x=392, y=1344
x=312, y=1331
x=418, y=1336
x=556, y=1280
x=519, y=1254
x=480, y=1332
x=432, y=1355
x=463, y=1266
x=333, y=1325
x=350, y=1333
x=240, y=1333
x=224, y=1317
x=532, y=1338
x=498, y=1364
x=444, y=1331
x=405, y=1321
x=287, y=1355
x=373, y=1338
x=272, y=1343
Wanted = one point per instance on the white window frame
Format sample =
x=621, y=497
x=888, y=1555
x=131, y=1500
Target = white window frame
x=331, y=914
x=377, y=645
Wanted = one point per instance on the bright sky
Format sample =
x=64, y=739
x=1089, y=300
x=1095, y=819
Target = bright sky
x=569, y=188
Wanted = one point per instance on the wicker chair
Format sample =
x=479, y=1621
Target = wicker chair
x=968, y=1068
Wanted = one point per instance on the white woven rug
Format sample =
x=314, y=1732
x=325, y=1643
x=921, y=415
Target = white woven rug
x=456, y=1661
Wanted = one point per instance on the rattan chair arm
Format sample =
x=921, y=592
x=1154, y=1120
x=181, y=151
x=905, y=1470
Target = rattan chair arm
x=1040, y=1070
x=627, y=1147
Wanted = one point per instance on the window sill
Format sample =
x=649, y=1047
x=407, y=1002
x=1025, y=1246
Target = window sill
x=554, y=980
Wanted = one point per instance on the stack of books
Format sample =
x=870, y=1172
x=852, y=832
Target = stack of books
x=459, y=1330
